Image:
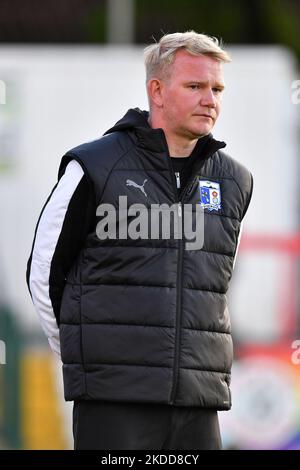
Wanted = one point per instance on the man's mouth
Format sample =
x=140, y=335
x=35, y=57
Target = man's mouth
x=205, y=115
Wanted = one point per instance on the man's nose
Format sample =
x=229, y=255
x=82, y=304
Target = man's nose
x=208, y=98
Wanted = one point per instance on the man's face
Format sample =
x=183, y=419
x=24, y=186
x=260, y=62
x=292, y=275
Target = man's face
x=191, y=96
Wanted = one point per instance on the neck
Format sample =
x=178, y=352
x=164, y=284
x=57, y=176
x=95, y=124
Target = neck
x=178, y=145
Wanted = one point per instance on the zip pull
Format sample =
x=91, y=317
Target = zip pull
x=179, y=209
x=177, y=174
x=192, y=185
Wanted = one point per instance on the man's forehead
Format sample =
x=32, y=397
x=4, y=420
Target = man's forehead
x=196, y=68
x=184, y=58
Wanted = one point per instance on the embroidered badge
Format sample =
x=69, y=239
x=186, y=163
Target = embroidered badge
x=210, y=195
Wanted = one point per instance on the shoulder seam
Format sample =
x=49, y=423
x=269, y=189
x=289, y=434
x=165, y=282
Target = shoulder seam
x=112, y=168
x=77, y=158
x=86, y=173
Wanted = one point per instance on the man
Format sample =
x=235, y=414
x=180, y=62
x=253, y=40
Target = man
x=142, y=323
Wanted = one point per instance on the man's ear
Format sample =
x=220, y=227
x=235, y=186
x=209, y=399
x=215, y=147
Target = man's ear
x=155, y=91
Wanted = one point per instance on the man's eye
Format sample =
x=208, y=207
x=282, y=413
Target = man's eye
x=217, y=90
x=194, y=87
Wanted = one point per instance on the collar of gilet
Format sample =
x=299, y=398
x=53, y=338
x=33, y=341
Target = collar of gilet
x=135, y=121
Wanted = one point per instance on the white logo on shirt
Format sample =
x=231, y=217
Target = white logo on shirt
x=135, y=185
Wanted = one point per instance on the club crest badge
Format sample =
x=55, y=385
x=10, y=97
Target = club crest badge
x=210, y=195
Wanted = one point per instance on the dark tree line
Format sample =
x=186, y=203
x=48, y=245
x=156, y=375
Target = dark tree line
x=84, y=21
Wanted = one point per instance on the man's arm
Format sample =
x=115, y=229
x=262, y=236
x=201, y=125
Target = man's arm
x=62, y=227
x=242, y=221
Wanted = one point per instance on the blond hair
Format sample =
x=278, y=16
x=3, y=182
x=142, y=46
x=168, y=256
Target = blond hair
x=159, y=56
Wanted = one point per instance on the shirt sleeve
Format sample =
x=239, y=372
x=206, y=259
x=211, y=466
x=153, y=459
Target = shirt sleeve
x=242, y=221
x=62, y=227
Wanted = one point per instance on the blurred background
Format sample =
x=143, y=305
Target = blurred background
x=68, y=71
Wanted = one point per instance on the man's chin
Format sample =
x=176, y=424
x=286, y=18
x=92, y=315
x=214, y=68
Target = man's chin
x=201, y=132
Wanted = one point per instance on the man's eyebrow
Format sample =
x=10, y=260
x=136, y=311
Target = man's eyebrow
x=220, y=85
x=197, y=82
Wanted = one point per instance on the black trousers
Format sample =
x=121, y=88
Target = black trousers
x=99, y=425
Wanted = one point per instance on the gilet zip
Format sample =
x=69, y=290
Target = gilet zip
x=180, y=201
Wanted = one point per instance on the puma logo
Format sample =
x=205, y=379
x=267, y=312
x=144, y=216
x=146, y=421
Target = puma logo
x=135, y=185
